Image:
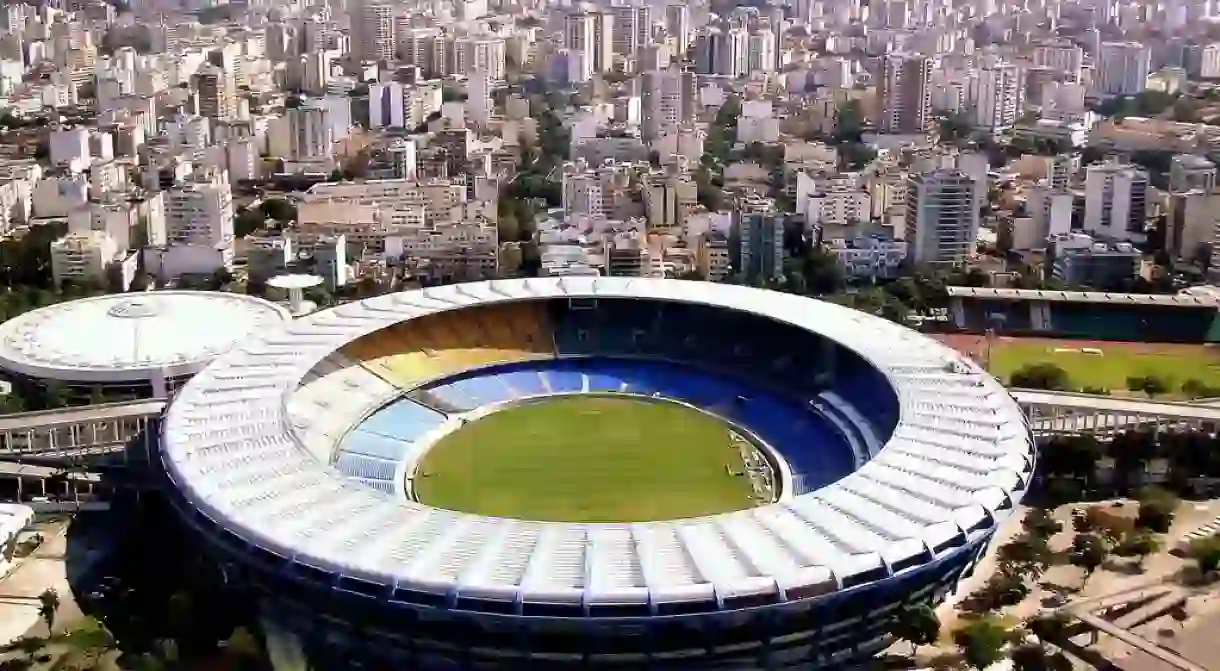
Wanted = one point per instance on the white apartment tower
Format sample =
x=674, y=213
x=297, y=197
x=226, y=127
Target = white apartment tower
x=309, y=132
x=906, y=94
x=761, y=56
x=735, y=57
x=942, y=222
x=998, y=100
x=1122, y=68
x=661, y=101
x=590, y=35
x=484, y=55
x=632, y=29
x=677, y=28
x=582, y=192
x=1065, y=57
x=1115, y=200
x=199, y=214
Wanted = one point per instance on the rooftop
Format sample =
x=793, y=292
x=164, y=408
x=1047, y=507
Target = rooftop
x=131, y=337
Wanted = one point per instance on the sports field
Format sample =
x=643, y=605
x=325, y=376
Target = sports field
x=598, y=459
x=1108, y=370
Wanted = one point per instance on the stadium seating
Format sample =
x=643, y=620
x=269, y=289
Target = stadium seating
x=823, y=408
x=1116, y=321
x=372, y=451
x=447, y=343
x=335, y=389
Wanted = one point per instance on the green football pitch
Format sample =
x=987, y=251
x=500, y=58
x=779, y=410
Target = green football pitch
x=587, y=459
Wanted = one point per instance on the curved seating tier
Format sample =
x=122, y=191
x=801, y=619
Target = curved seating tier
x=414, y=352
x=373, y=451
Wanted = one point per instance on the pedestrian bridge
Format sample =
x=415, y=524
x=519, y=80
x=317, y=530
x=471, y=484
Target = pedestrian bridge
x=1060, y=412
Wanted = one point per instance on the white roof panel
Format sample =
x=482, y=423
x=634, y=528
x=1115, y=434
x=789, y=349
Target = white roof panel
x=132, y=337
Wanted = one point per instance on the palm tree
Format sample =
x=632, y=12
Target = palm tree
x=48, y=606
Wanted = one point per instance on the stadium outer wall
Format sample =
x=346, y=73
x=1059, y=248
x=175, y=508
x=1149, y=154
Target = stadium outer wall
x=341, y=627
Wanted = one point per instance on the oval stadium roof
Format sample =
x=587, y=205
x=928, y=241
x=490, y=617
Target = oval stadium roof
x=133, y=336
x=233, y=444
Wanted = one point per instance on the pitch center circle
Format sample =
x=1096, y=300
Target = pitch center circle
x=593, y=458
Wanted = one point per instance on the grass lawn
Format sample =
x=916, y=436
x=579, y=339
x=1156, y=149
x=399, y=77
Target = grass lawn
x=599, y=459
x=1118, y=361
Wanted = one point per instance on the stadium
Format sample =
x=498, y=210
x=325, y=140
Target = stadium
x=599, y=471
x=128, y=345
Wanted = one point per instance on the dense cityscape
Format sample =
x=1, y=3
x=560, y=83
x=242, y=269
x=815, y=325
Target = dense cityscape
x=442, y=334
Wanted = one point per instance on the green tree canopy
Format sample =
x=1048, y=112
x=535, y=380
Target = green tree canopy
x=916, y=624
x=981, y=641
x=1089, y=551
x=1041, y=375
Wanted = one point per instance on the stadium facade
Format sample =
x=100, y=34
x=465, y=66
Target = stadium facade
x=269, y=456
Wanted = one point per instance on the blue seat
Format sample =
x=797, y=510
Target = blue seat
x=525, y=382
x=363, y=442
x=403, y=419
x=471, y=392
x=565, y=381
x=361, y=466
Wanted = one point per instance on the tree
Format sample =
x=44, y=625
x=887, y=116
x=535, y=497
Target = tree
x=48, y=607
x=916, y=624
x=279, y=209
x=248, y=221
x=29, y=646
x=1157, y=506
x=1089, y=551
x=1049, y=627
x=1139, y=544
x=1153, y=385
x=1206, y=553
x=1025, y=555
x=1034, y=657
x=1042, y=375
x=91, y=640
x=1040, y=523
x=981, y=641
x=1004, y=588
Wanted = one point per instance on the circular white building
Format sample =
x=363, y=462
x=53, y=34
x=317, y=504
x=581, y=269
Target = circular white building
x=137, y=344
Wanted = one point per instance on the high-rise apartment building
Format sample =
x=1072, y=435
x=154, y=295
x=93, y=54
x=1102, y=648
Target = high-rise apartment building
x=735, y=61
x=1122, y=68
x=591, y=34
x=373, y=37
x=1060, y=57
x=761, y=51
x=217, y=97
x=483, y=55
x=760, y=245
x=666, y=101
x=309, y=132
x=998, y=99
x=942, y=222
x=199, y=214
x=1115, y=200
x=677, y=28
x=632, y=29
x=906, y=94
